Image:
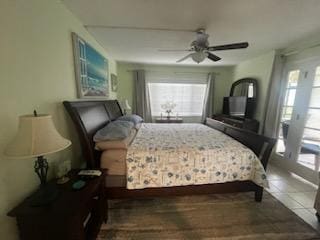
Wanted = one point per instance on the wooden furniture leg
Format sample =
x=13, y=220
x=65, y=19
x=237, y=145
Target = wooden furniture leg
x=258, y=194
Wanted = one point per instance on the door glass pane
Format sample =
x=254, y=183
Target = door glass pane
x=286, y=113
x=315, y=98
x=313, y=118
x=317, y=78
x=293, y=78
x=311, y=135
x=309, y=155
x=290, y=95
x=287, y=109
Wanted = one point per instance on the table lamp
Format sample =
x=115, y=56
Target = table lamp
x=126, y=107
x=36, y=137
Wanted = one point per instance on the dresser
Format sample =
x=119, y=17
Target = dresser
x=245, y=123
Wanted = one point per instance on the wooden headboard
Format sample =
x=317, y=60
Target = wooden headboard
x=89, y=117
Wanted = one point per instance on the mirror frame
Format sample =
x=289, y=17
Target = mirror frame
x=245, y=80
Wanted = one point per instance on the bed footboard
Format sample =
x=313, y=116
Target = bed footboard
x=216, y=188
x=262, y=146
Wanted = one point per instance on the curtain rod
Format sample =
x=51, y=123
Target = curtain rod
x=149, y=71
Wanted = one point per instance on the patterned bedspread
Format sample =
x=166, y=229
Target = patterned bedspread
x=165, y=155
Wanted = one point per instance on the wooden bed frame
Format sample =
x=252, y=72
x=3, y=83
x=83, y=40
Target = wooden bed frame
x=90, y=116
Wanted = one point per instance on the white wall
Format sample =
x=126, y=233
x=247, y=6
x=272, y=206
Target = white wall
x=36, y=66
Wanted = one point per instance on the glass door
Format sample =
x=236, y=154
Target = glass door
x=287, y=109
x=309, y=154
x=299, y=130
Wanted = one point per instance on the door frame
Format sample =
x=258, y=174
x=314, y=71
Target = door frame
x=289, y=160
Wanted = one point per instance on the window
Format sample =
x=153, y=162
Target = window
x=188, y=97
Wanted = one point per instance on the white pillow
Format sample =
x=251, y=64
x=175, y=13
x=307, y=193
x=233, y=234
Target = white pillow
x=115, y=130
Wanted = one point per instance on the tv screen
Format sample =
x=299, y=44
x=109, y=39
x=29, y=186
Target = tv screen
x=237, y=106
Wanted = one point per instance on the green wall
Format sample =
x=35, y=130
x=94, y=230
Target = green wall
x=259, y=68
x=36, y=66
x=223, y=79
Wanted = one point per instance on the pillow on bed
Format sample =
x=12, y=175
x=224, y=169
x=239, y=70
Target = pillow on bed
x=135, y=119
x=114, y=131
x=116, y=144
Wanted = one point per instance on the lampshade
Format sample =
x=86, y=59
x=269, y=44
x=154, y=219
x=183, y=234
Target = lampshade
x=199, y=56
x=37, y=136
x=126, y=105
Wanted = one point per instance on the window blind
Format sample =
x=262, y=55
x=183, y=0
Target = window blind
x=187, y=91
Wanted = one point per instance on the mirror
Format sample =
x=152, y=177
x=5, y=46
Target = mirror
x=246, y=87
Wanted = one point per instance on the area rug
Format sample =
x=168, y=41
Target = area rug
x=219, y=216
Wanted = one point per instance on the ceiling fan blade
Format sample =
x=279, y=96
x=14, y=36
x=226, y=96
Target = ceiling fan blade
x=229, y=46
x=213, y=57
x=175, y=50
x=184, y=58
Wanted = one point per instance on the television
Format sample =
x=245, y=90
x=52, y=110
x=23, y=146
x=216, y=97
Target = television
x=235, y=106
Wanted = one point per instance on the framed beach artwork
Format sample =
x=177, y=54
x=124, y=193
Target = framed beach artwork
x=92, y=73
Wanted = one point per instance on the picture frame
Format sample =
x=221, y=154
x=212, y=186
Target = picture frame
x=91, y=70
x=114, y=82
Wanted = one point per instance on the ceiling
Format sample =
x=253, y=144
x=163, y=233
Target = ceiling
x=265, y=24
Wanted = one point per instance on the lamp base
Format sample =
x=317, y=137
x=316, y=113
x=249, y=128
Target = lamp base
x=41, y=167
x=45, y=195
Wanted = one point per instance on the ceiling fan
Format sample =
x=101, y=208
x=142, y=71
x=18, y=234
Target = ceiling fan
x=201, y=50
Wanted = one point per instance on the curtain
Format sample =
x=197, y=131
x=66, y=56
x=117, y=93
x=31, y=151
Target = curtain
x=272, y=115
x=209, y=98
x=141, y=100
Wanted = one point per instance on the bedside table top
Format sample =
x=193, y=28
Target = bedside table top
x=169, y=120
x=68, y=200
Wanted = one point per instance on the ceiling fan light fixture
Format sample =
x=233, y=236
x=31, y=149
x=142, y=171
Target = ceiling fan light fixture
x=199, y=57
x=200, y=48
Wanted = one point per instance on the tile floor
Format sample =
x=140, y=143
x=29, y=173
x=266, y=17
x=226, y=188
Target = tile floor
x=294, y=192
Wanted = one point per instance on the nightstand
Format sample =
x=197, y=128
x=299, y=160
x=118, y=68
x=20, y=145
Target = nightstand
x=75, y=214
x=169, y=120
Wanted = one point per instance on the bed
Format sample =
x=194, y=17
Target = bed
x=90, y=116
